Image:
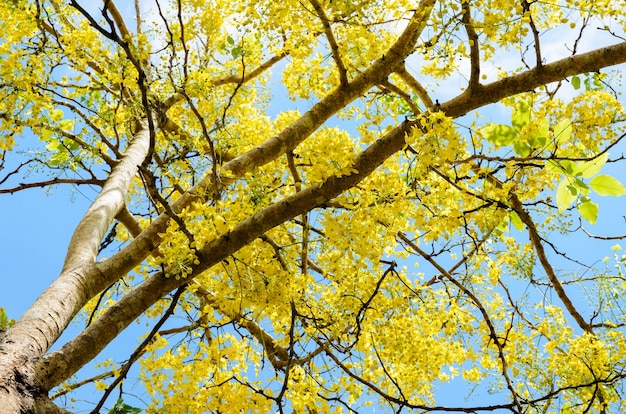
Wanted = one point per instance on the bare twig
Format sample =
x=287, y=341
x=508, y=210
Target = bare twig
x=141, y=348
x=54, y=181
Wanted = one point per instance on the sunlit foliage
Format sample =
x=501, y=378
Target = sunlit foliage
x=357, y=203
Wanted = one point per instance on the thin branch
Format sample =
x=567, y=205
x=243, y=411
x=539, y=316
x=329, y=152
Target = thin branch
x=473, y=44
x=16, y=170
x=543, y=259
x=117, y=18
x=492, y=330
x=138, y=16
x=71, y=387
x=334, y=47
x=547, y=266
x=205, y=132
x=537, y=45
x=405, y=96
x=593, y=236
x=54, y=181
x=277, y=355
x=247, y=77
x=140, y=350
x=417, y=87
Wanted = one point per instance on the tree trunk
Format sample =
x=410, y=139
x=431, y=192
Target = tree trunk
x=24, y=343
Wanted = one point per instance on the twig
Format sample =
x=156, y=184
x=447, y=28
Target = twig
x=334, y=48
x=141, y=348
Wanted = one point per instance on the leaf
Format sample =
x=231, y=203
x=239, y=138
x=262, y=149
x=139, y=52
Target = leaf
x=563, y=130
x=576, y=82
x=60, y=158
x=565, y=195
x=567, y=408
x=230, y=40
x=66, y=124
x=56, y=114
x=589, y=211
x=580, y=186
x=46, y=134
x=521, y=115
x=587, y=169
x=521, y=148
x=121, y=408
x=499, y=134
x=605, y=185
x=54, y=145
x=516, y=221
x=5, y=322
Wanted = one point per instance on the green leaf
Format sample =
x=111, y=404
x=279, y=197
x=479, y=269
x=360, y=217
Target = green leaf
x=576, y=82
x=66, y=124
x=230, y=40
x=72, y=145
x=553, y=166
x=565, y=195
x=521, y=148
x=516, y=221
x=54, y=145
x=568, y=166
x=499, y=134
x=538, y=141
x=56, y=114
x=605, y=185
x=579, y=186
x=589, y=211
x=521, y=115
x=121, y=408
x=563, y=130
x=46, y=134
x=566, y=409
x=5, y=322
x=59, y=158
x=587, y=169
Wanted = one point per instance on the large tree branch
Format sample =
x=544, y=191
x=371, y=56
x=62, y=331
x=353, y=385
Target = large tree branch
x=131, y=306
x=138, y=249
x=58, y=365
x=531, y=79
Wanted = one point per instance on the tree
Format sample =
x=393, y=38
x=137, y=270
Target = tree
x=285, y=240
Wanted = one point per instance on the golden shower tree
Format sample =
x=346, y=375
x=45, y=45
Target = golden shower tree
x=288, y=241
